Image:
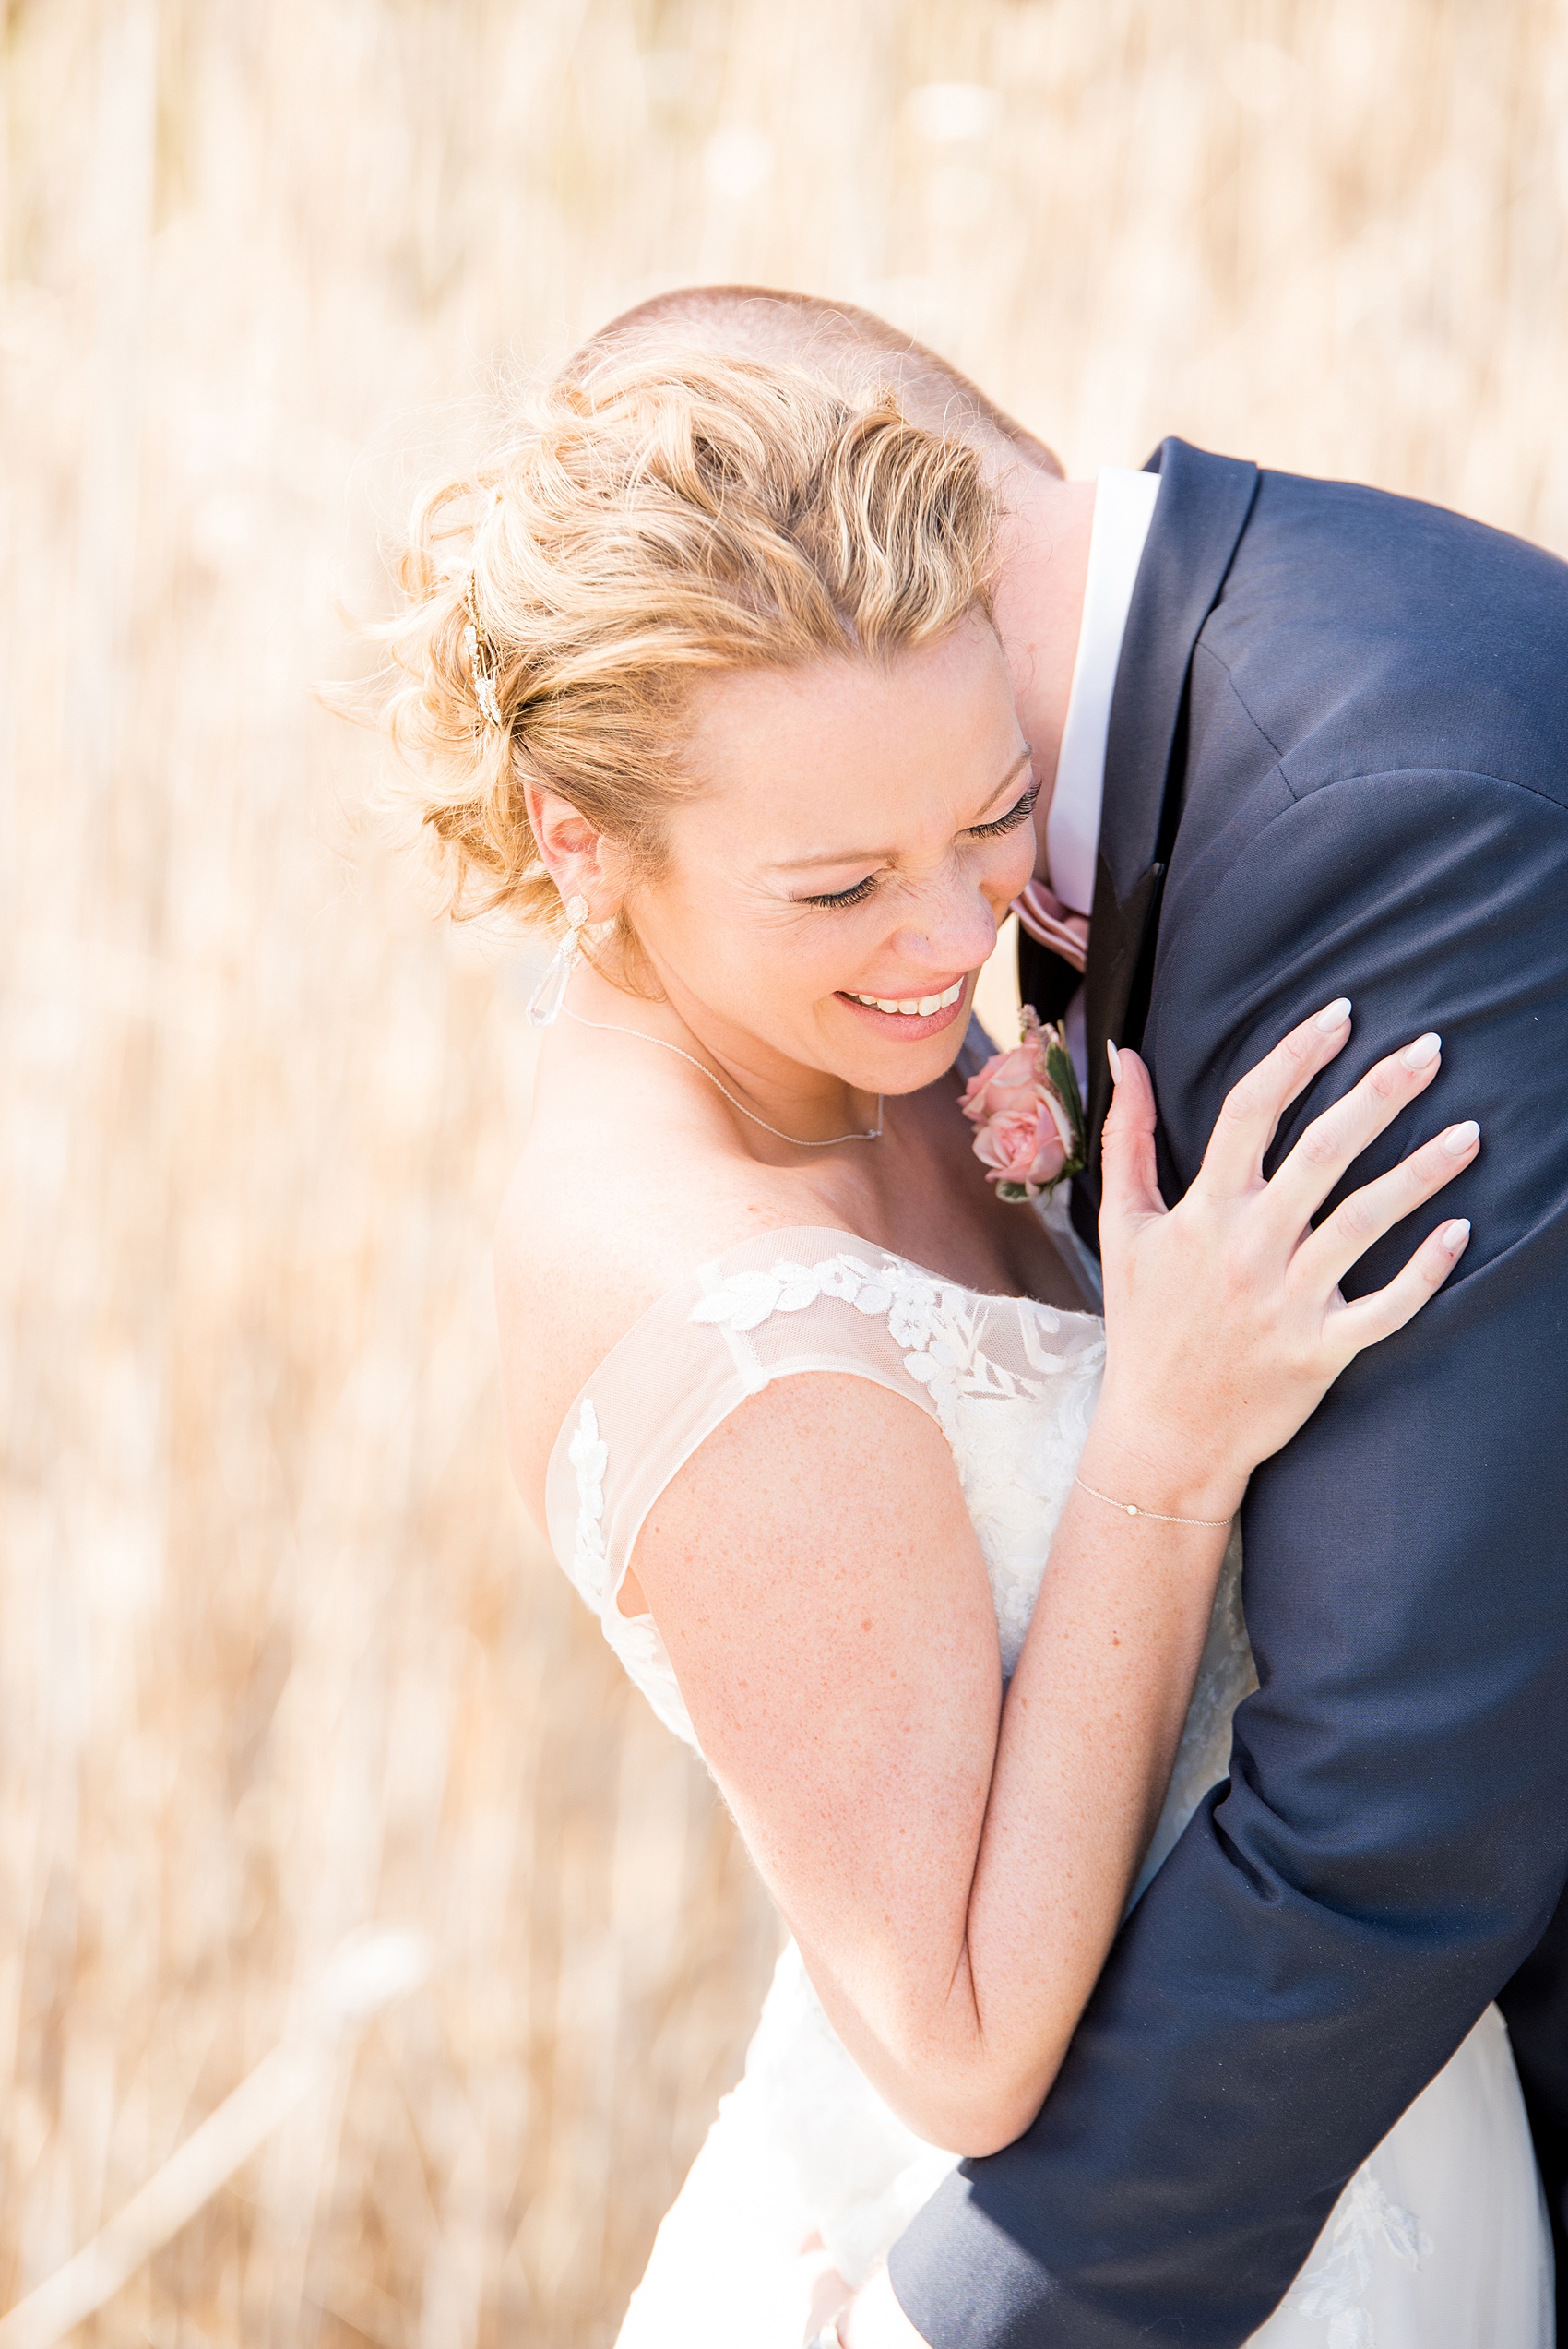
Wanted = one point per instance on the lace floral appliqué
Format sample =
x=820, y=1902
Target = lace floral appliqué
x=937, y=1324
x=1334, y=2287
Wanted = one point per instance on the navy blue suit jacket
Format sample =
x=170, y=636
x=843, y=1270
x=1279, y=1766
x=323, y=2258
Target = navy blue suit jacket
x=1338, y=764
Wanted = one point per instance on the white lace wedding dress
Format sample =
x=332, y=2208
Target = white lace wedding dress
x=1438, y=2242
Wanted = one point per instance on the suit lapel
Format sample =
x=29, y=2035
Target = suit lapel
x=1203, y=507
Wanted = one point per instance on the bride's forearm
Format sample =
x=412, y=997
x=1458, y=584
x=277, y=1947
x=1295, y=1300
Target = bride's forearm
x=1086, y=1742
x=1089, y=1735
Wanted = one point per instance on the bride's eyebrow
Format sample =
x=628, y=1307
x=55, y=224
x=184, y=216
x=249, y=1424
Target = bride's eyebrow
x=876, y=855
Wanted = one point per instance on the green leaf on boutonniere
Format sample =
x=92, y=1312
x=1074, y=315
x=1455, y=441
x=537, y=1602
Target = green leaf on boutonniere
x=1057, y=1072
x=1064, y=1076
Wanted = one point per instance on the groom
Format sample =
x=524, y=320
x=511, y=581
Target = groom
x=1302, y=740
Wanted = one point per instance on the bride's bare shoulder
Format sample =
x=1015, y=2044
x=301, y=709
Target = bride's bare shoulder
x=593, y=1229
x=620, y=1236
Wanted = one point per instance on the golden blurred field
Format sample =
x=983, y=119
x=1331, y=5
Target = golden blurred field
x=280, y=1654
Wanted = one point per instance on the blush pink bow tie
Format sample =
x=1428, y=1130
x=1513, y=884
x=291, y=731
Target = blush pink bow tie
x=1051, y=924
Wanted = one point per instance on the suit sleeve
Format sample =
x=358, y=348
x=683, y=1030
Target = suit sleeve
x=1394, y=1835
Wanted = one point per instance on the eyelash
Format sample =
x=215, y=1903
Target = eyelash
x=1019, y=813
x=856, y=895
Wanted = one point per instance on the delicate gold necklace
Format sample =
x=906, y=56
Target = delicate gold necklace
x=606, y=1028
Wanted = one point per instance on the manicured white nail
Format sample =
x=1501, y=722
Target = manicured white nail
x=1453, y=1236
x=1115, y=1059
x=1422, y=1053
x=1333, y=1015
x=1459, y=1139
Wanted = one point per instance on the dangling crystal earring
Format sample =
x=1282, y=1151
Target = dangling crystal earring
x=544, y=1003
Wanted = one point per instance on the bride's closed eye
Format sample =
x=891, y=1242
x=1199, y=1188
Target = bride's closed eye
x=856, y=895
x=1019, y=813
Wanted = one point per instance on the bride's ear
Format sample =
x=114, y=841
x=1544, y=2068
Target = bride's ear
x=581, y=861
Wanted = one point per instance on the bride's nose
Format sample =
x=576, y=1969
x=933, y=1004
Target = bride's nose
x=950, y=929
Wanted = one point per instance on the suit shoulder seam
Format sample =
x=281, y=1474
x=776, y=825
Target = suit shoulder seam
x=1246, y=709
x=1366, y=774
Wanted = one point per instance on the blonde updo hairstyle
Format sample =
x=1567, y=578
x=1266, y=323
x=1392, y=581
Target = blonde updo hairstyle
x=645, y=527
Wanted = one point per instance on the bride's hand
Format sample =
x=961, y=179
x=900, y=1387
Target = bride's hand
x=1224, y=1325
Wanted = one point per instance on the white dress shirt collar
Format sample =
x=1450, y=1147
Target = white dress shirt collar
x=1123, y=509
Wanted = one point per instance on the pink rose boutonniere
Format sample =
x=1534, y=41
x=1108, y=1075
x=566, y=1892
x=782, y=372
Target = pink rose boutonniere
x=1028, y=1118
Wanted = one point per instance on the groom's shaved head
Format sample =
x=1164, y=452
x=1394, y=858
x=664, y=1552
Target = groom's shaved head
x=851, y=348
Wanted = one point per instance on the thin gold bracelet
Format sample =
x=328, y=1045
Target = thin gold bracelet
x=1130, y=1509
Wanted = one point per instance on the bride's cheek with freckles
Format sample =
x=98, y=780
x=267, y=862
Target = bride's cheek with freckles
x=1018, y=869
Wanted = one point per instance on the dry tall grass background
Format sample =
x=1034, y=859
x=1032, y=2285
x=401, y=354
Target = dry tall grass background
x=280, y=1654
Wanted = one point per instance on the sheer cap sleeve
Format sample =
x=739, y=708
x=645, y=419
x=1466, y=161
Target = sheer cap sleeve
x=786, y=1303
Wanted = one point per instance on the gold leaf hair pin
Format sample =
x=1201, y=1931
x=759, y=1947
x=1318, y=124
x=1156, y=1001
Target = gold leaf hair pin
x=483, y=666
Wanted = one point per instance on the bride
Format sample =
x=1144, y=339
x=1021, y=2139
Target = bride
x=699, y=671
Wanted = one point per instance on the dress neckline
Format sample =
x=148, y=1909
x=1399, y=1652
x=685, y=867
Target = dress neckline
x=780, y=1237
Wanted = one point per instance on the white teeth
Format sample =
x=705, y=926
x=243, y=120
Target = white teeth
x=916, y=1006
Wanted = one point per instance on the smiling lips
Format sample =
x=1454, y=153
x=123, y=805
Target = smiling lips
x=909, y=1019
x=913, y=1006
